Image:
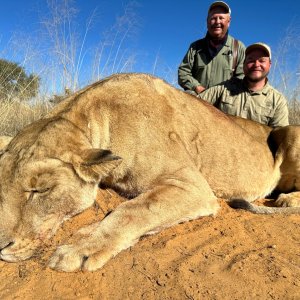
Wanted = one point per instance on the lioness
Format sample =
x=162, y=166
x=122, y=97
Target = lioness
x=167, y=151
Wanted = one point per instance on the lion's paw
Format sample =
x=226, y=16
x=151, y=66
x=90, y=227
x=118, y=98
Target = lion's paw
x=68, y=258
x=288, y=200
x=97, y=260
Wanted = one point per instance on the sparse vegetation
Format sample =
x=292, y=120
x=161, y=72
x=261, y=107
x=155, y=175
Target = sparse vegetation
x=15, y=115
x=285, y=70
x=294, y=111
x=60, y=62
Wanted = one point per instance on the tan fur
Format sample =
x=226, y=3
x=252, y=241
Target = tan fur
x=134, y=133
x=4, y=141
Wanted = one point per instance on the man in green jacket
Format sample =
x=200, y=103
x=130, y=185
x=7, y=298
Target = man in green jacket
x=251, y=97
x=215, y=58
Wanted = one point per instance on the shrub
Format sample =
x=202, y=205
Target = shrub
x=15, y=83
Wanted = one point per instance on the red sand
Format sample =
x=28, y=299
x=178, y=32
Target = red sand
x=235, y=255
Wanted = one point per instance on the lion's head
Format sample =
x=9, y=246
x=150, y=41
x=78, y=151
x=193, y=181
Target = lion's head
x=44, y=184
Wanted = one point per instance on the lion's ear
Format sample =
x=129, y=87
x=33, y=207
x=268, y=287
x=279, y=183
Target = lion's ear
x=96, y=164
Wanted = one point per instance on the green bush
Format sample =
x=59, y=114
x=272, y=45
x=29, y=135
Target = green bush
x=15, y=83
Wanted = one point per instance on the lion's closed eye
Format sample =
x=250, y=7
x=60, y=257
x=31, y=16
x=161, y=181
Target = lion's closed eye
x=31, y=193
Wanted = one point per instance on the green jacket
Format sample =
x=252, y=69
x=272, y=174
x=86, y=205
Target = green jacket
x=198, y=68
x=267, y=106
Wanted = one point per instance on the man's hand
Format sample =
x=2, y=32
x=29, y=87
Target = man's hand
x=198, y=89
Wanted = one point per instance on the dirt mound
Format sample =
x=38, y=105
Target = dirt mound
x=235, y=255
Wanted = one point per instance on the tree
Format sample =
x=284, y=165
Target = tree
x=15, y=83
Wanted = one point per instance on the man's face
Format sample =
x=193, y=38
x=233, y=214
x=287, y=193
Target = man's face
x=218, y=22
x=257, y=65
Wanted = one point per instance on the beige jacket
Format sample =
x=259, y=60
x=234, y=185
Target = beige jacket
x=267, y=106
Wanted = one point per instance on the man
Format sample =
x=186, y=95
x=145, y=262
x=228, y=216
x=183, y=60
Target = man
x=215, y=58
x=251, y=97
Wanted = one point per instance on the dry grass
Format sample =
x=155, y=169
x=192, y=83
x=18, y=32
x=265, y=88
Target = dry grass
x=294, y=112
x=15, y=115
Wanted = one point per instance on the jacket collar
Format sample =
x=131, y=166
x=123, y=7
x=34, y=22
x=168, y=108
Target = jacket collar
x=222, y=42
x=213, y=47
x=265, y=90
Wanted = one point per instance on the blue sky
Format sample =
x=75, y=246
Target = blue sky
x=163, y=29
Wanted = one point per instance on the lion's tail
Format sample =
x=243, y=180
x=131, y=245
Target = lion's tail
x=243, y=204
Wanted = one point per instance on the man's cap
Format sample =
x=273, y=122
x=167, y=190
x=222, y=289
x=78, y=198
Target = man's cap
x=259, y=45
x=220, y=4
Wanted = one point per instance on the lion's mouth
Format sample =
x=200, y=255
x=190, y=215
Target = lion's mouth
x=15, y=252
x=22, y=248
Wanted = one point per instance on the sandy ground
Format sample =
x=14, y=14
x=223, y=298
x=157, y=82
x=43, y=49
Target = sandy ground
x=235, y=255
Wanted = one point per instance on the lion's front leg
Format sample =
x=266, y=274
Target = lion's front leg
x=184, y=196
x=288, y=200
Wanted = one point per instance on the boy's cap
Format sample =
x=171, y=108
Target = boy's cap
x=259, y=45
